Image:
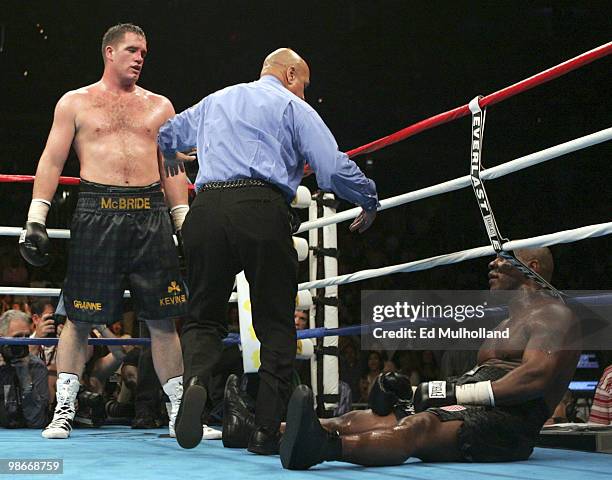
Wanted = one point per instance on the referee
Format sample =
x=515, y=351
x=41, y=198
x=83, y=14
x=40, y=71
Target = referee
x=253, y=140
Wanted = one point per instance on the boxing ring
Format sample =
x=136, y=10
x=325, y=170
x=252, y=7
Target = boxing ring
x=162, y=458
x=121, y=453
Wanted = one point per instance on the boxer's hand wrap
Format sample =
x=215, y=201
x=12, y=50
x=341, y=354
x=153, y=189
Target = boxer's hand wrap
x=479, y=393
x=441, y=393
x=389, y=389
x=34, y=242
x=39, y=208
x=178, y=214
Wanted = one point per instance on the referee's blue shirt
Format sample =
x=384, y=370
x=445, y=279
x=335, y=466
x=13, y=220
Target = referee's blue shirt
x=262, y=130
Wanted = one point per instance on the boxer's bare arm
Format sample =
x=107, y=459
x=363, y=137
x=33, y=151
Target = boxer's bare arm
x=175, y=187
x=56, y=151
x=547, y=362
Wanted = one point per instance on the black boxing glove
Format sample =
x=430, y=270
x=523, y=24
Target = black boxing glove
x=389, y=389
x=34, y=244
x=294, y=220
x=440, y=393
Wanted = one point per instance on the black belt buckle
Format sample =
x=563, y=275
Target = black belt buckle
x=239, y=183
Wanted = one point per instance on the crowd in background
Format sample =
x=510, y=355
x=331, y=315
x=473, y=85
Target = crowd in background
x=119, y=384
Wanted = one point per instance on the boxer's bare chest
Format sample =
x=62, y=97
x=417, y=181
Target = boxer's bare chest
x=511, y=348
x=116, y=136
x=105, y=116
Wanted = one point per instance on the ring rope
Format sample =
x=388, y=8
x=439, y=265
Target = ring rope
x=234, y=338
x=493, y=98
x=231, y=339
x=462, y=182
x=440, y=188
x=55, y=292
x=434, y=121
x=565, y=236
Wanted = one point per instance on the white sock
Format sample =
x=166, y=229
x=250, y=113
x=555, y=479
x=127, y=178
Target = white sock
x=64, y=377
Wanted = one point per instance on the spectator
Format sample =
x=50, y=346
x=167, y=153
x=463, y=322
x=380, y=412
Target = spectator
x=123, y=406
x=302, y=367
x=565, y=411
x=601, y=411
x=24, y=394
x=5, y=303
x=102, y=362
x=301, y=318
x=117, y=329
x=409, y=365
x=364, y=389
x=389, y=366
x=44, y=326
x=20, y=303
x=375, y=367
x=350, y=370
x=429, y=367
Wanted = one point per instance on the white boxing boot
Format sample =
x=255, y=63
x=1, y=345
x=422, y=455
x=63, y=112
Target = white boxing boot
x=174, y=389
x=67, y=390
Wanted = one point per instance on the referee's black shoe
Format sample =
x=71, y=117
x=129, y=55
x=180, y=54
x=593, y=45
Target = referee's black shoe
x=238, y=420
x=188, y=425
x=264, y=441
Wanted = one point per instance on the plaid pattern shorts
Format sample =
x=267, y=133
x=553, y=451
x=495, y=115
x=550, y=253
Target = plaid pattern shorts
x=121, y=237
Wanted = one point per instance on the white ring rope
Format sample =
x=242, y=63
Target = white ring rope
x=462, y=182
x=55, y=292
x=52, y=232
x=444, y=187
x=565, y=236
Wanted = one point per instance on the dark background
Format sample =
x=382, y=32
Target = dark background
x=376, y=67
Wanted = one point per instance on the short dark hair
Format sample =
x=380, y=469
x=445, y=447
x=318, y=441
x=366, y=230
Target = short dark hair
x=37, y=307
x=115, y=33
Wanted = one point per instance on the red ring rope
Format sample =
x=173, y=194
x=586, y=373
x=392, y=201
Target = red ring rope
x=493, y=98
x=439, y=119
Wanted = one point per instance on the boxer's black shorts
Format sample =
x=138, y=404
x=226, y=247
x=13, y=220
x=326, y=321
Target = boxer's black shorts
x=495, y=434
x=121, y=237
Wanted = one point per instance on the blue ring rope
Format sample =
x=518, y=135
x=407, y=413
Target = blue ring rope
x=234, y=338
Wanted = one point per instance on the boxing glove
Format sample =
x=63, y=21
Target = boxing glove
x=439, y=393
x=389, y=389
x=178, y=214
x=34, y=244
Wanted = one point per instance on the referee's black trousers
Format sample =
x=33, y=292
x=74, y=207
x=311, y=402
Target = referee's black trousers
x=226, y=231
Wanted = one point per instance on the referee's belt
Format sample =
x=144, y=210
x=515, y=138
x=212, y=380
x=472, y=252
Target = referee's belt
x=240, y=183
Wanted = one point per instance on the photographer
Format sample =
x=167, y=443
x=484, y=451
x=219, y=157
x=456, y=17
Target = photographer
x=46, y=325
x=24, y=394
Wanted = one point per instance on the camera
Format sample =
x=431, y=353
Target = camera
x=58, y=319
x=14, y=352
